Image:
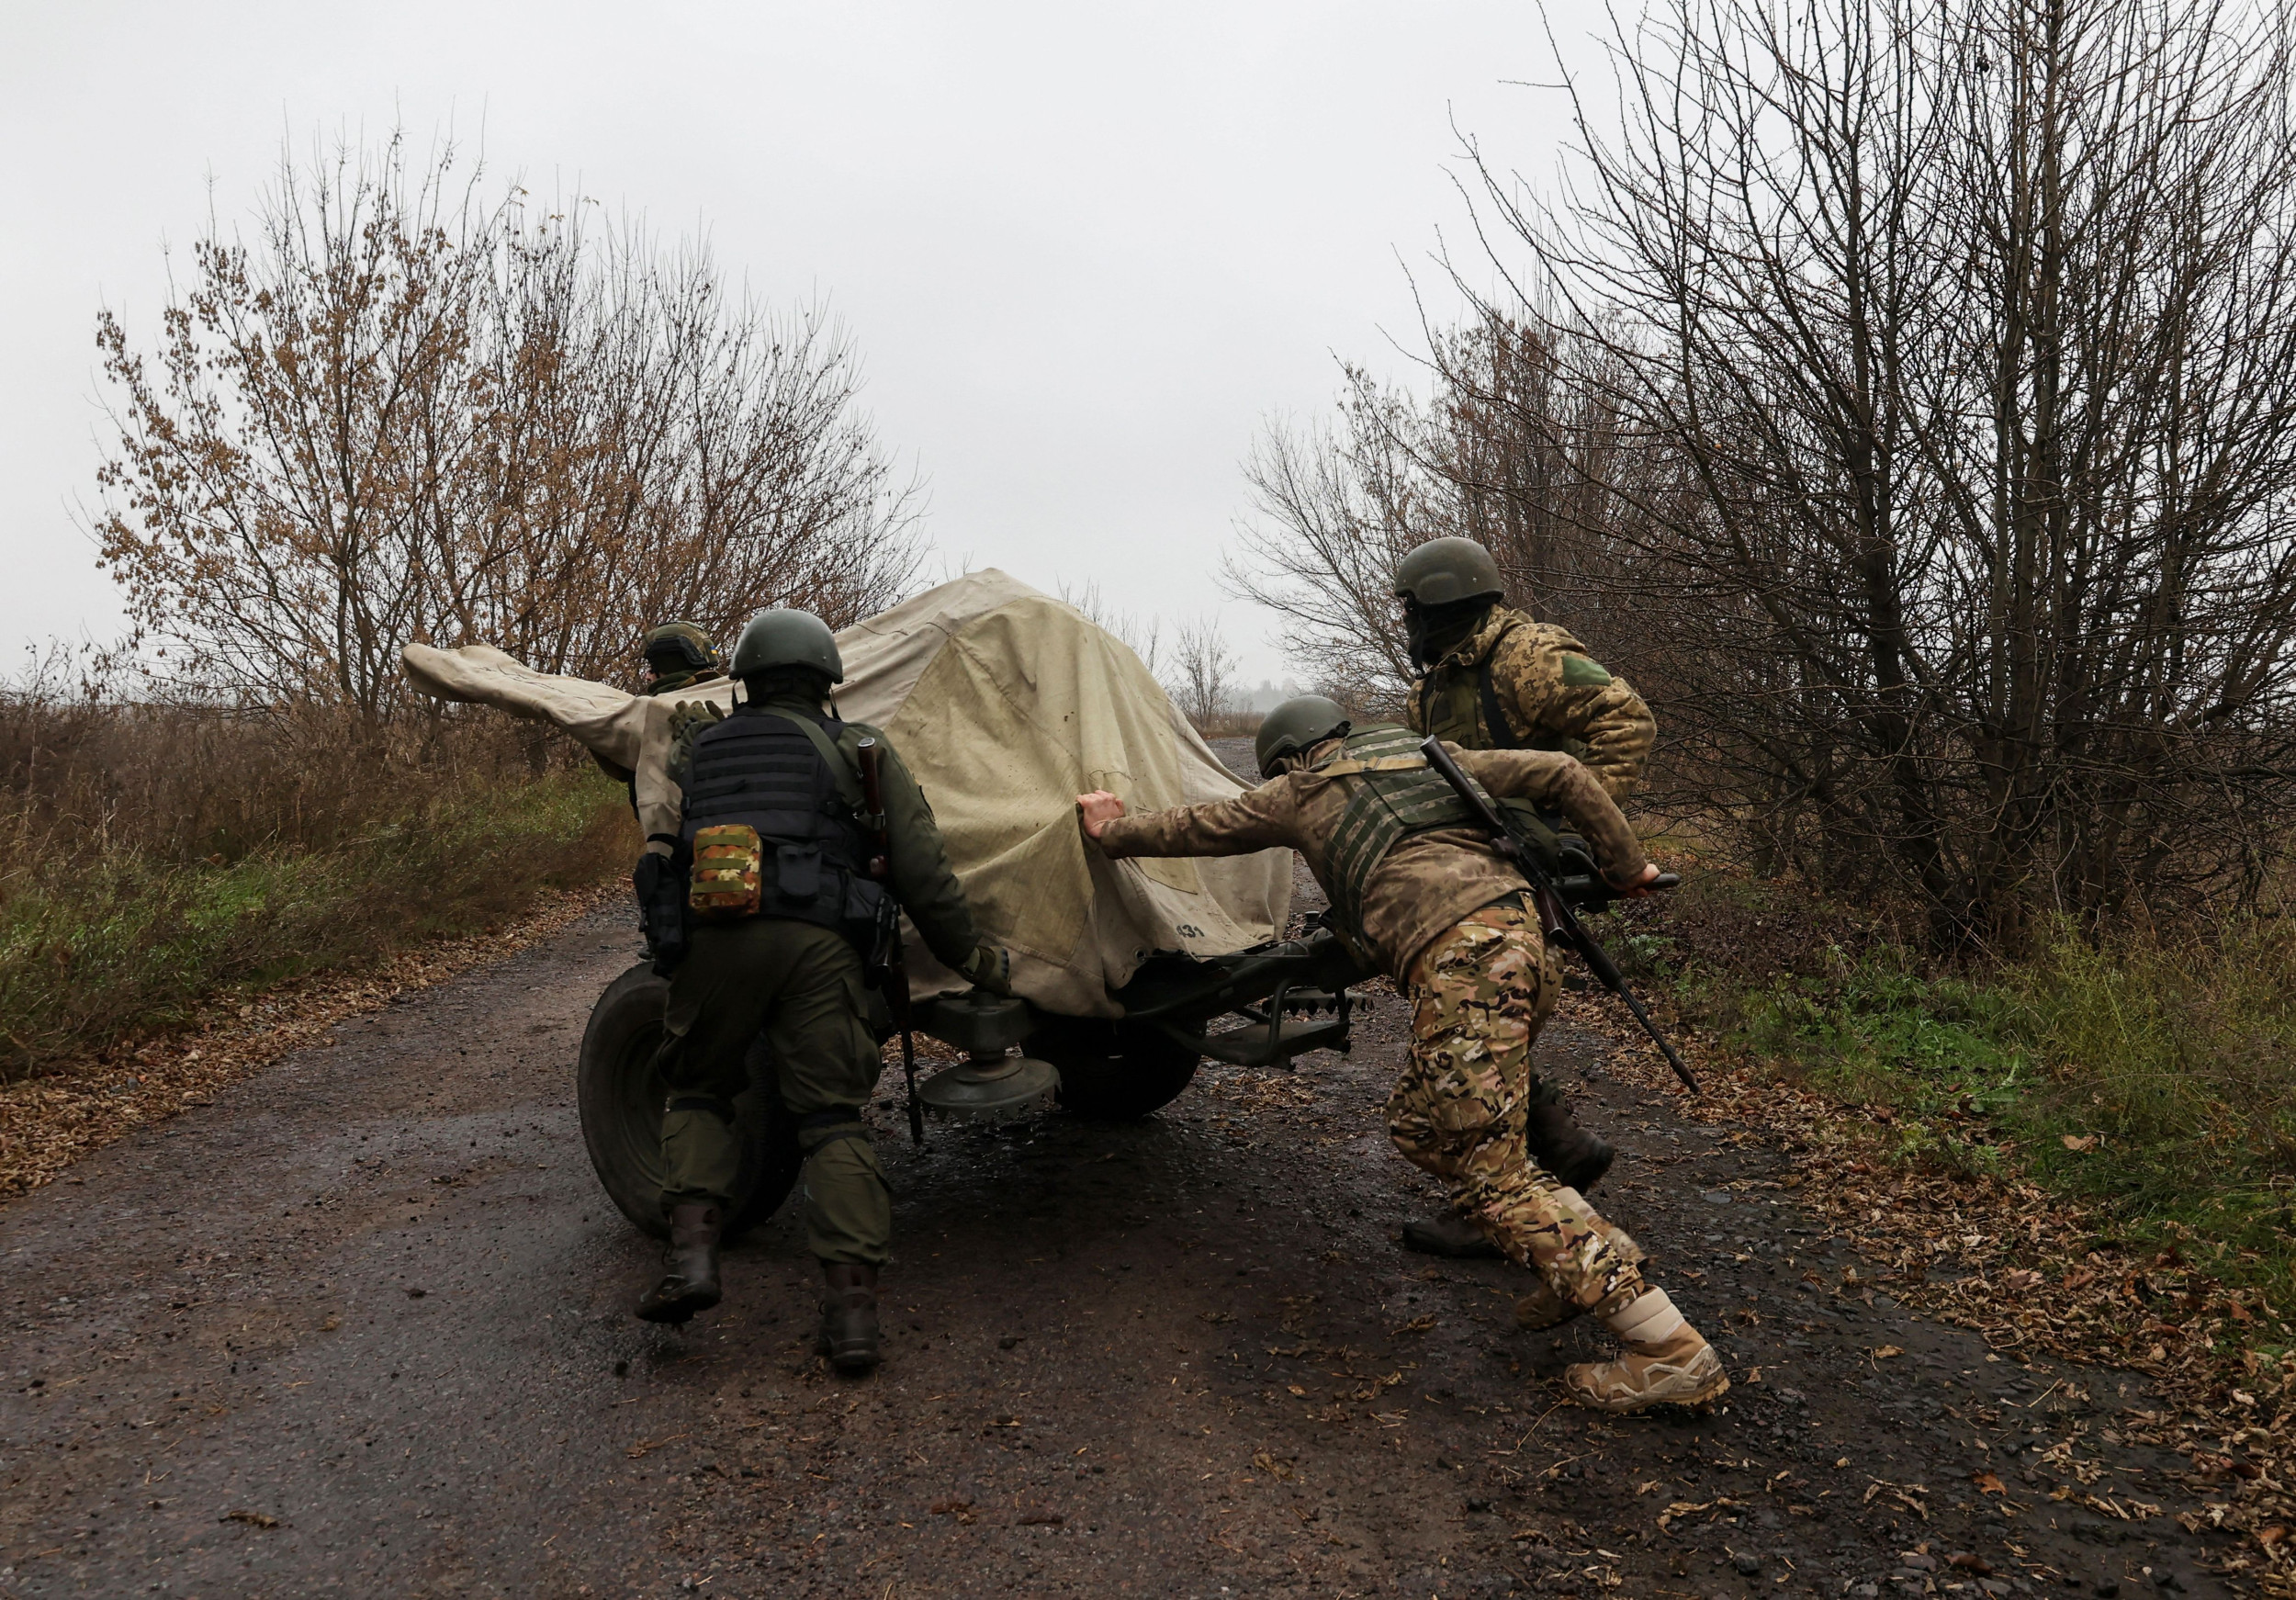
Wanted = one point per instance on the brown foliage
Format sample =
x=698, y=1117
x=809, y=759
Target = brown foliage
x=406, y=413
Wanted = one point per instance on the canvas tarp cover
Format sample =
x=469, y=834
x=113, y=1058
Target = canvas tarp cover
x=1006, y=703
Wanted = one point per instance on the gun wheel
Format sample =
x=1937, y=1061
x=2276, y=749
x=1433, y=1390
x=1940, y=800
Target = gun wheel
x=1110, y=1072
x=620, y=1095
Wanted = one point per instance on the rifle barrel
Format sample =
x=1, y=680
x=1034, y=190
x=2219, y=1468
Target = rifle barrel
x=1555, y=912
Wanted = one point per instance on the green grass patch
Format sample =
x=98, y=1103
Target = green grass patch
x=115, y=941
x=2156, y=1080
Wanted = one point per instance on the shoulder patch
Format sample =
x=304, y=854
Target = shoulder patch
x=1583, y=671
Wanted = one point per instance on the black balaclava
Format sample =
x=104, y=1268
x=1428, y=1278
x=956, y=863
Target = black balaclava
x=1434, y=631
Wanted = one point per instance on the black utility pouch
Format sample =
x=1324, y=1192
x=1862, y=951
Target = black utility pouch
x=661, y=907
x=797, y=874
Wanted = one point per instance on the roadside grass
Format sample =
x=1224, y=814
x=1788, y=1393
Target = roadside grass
x=2154, y=1077
x=153, y=861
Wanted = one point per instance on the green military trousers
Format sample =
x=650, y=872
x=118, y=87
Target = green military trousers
x=803, y=986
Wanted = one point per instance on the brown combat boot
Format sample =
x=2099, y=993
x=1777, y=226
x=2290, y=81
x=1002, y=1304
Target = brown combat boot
x=849, y=1318
x=1576, y=1157
x=689, y=1266
x=1665, y=1362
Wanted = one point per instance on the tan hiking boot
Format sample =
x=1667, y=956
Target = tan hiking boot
x=1665, y=1362
x=1542, y=1308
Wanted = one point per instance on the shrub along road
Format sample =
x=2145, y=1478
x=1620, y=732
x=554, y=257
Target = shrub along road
x=361, y=1327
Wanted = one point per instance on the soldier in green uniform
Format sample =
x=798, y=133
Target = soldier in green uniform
x=1418, y=889
x=679, y=655
x=773, y=842
x=1492, y=678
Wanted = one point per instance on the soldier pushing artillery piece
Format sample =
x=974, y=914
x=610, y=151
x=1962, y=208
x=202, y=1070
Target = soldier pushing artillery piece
x=1422, y=889
x=763, y=909
x=1494, y=679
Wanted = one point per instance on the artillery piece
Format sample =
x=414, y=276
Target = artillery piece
x=1285, y=997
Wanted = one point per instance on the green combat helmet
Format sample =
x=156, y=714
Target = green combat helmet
x=787, y=638
x=677, y=653
x=1444, y=572
x=1294, y=726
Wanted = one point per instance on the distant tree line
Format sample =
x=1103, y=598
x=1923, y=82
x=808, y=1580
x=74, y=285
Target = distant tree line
x=1904, y=397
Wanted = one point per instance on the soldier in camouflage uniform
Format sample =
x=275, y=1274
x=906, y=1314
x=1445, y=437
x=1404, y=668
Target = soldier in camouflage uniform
x=1494, y=679
x=1420, y=890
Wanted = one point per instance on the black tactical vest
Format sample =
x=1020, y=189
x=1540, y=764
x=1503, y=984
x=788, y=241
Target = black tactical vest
x=760, y=767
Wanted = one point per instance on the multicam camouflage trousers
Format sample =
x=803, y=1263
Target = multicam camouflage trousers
x=1478, y=993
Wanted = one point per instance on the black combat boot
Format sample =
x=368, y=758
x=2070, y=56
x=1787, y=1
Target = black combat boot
x=1449, y=1234
x=1576, y=1157
x=849, y=1318
x=688, y=1267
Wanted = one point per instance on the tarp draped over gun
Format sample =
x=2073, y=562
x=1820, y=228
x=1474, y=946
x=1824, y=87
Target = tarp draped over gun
x=1006, y=704
x=1561, y=923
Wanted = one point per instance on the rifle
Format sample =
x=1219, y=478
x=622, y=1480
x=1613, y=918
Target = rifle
x=887, y=959
x=1561, y=923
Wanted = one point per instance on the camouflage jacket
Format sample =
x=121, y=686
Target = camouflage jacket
x=1551, y=693
x=921, y=878
x=1429, y=882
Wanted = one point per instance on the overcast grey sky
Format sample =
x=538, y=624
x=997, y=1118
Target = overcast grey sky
x=1084, y=250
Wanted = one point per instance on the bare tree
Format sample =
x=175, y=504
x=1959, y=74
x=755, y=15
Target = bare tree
x=1970, y=327
x=407, y=413
x=1143, y=639
x=1202, y=682
x=1905, y=396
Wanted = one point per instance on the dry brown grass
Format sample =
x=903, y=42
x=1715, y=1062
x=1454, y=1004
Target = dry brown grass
x=152, y=856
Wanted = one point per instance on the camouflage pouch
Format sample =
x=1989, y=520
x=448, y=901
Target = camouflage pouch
x=727, y=860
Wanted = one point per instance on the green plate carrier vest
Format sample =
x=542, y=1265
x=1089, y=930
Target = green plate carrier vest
x=1393, y=795
x=1461, y=705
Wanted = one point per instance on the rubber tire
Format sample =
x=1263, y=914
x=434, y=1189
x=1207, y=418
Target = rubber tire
x=620, y=1096
x=1109, y=1072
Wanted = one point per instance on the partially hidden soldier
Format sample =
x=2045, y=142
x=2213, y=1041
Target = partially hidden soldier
x=680, y=655
x=1420, y=890
x=783, y=913
x=1494, y=679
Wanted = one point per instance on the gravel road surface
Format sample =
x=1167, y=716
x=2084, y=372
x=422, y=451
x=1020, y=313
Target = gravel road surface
x=362, y=1327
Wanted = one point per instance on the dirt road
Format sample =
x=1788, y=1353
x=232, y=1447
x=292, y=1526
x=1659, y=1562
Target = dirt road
x=362, y=1327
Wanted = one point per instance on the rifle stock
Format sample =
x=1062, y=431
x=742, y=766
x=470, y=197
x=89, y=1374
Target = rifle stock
x=891, y=959
x=1562, y=924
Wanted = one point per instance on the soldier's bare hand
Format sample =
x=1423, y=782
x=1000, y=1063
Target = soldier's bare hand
x=1100, y=808
x=1640, y=888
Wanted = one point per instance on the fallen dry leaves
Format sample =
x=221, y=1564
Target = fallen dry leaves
x=49, y=1122
x=2019, y=1265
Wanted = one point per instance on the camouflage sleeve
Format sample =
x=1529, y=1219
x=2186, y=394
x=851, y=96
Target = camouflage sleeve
x=923, y=881
x=1259, y=818
x=1412, y=719
x=1552, y=684
x=1553, y=778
